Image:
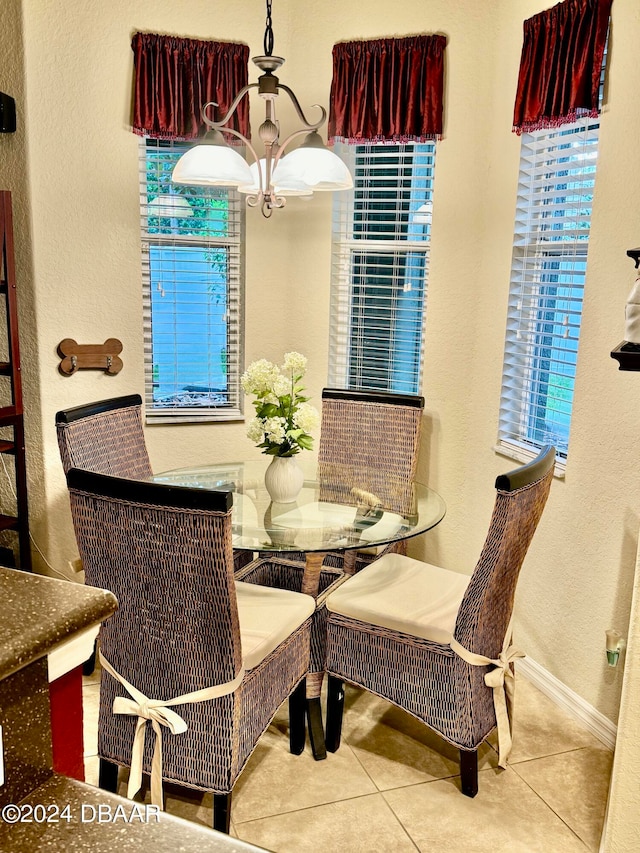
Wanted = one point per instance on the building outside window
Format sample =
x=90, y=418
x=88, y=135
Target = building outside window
x=192, y=266
x=380, y=265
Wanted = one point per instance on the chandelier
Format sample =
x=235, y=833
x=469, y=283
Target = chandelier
x=272, y=177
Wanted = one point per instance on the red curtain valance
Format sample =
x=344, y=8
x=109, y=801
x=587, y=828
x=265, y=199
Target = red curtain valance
x=388, y=89
x=174, y=77
x=561, y=63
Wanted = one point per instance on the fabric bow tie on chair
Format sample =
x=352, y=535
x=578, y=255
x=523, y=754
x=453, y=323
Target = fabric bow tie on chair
x=160, y=714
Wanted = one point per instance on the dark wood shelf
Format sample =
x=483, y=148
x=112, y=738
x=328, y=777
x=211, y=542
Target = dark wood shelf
x=7, y=446
x=628, y=359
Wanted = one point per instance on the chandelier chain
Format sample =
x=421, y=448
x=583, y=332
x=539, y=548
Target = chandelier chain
x=268, y=33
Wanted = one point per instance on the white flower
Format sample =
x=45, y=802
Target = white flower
x=275, y=429
x=256, y=430
x=306, y=417
x=295, y=364
x=259, y=377
x=281, y=386
x=272, y=385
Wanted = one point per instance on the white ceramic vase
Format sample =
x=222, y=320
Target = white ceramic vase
x=283, y=479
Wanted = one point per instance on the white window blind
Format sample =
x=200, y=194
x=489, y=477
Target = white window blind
x=192, y=270
x=380, y=263
x=553, y=217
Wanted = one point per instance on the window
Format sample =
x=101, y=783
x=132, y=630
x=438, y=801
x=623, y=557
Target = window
x=553, y=216
x=192, y=279
x=380, y=263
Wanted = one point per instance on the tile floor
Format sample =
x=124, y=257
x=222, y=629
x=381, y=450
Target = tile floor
x=393, y=786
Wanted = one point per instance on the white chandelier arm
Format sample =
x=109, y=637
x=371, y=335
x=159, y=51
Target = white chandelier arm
x=220, y=125
x=266, y=202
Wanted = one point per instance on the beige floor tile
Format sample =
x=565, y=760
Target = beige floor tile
x=396, y=749
x=285, y=802
x=504, y=817
x=362, y=825
x=91, y=767
x=575, y=786
x=542, y=728
x=90, y=706
x=274, y=781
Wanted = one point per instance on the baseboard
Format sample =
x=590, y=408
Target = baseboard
x=599, y=725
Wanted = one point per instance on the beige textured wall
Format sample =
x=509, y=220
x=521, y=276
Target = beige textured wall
x=82, y=167
x=621, y=833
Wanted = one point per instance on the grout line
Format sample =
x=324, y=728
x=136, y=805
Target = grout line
x=549, y=807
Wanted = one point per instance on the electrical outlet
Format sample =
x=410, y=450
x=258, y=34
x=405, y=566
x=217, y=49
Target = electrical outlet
x=1, y=760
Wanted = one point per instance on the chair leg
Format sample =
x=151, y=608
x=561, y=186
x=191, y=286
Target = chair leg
x=90, y=664
x=108, y=776
x=335, y=710
x=469, y=772
x=222, y=812
x=316, y=729
x=297, y=725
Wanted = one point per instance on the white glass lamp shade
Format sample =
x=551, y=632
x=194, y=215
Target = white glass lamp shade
x=320, y=169
x=208, y=165
x=286, y=188
x=170, y=205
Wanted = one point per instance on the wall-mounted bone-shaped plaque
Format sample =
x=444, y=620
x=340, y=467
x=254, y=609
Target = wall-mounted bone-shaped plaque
x=77, y=356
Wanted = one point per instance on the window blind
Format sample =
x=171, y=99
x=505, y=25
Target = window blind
x=553, y=217
x=380, y=264
x=192, y=271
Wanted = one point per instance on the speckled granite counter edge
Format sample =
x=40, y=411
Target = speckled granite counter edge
x=126, y=826
x=38, y=613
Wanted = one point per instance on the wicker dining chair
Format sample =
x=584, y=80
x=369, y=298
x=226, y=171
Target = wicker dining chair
x=369, y=443
x=108, y=437
x=435, y=642
x=186, y=639
x=351, y=453
x=370, y=440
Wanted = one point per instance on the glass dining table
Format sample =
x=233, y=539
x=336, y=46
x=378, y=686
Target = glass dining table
x=339, y=509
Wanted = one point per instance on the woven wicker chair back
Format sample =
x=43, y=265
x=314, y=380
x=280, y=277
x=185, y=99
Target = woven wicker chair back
x=371, y=445
x=487, y=605
x=176, y=629
x=105, y=440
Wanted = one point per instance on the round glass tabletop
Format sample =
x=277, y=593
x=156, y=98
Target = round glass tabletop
x=337, y=509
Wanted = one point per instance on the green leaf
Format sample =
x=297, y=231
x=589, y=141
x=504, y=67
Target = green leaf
x=269, y=410
x=306, y=442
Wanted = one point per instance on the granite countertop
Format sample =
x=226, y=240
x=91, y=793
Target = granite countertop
x=120, y=825
x=39, y=612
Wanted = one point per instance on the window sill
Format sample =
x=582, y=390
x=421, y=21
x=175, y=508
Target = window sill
x=524, y=455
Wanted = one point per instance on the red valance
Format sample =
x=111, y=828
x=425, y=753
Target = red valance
x=561, y=64
x=388, y=89
x=175, y=77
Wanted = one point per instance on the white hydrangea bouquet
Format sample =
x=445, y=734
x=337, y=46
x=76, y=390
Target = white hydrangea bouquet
x=284, y=418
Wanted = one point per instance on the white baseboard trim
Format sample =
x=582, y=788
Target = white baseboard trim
x=564, y=697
